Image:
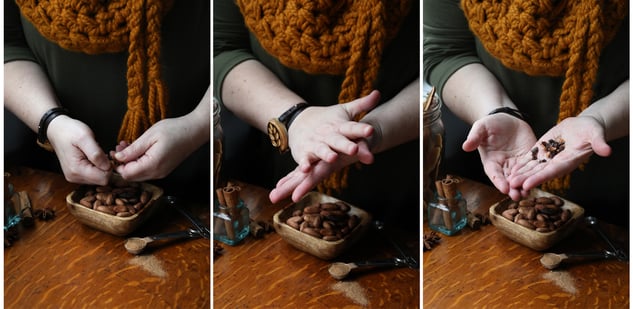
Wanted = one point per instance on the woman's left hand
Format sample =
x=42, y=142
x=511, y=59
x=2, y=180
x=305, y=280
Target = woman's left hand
x=162, y=147
x=157, y=152
x=582, y=136
x=298, y=182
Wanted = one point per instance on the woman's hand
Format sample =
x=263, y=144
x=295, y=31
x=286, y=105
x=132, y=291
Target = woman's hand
x=326, y=132
x=166, y=144
x=298, y=183
x=501, y=140
x=582, y=135
x=157, y=152
x=80, y=157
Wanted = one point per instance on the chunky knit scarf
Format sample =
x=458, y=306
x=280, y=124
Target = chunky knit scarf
x=343, y=37
x=99, y=26
x=552, y=38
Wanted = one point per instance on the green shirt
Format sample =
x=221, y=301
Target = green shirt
x=233, y=43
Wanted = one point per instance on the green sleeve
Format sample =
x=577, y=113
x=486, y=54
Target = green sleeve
x=231, y=43
x=448, y=43
x=15, y=47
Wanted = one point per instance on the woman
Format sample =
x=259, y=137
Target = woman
x=270, y=56
x=118, y=76
x=523, y=73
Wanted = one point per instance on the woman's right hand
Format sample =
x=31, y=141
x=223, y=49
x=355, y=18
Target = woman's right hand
x=501, y=140
x=82, y=160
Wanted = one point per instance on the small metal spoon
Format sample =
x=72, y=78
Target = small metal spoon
x=409, y=259
x=136, y=245
x=553, y=260
x=204, y=230
x=340, y=270
x=593, y=223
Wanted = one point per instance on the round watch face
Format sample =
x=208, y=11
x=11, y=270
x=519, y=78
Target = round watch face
x=278, y=135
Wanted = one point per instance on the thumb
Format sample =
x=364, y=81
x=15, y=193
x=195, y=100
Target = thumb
x=473, y=140
x=600, y=147
x=132, y=151
x=363, y=105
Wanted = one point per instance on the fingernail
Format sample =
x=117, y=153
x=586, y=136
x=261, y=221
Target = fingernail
x=119, y=156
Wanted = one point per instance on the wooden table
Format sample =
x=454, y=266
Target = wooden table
x=484, y=269
x=269, y=273
x=64, y=264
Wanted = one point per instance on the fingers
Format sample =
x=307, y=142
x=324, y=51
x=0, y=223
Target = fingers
x=285, y=186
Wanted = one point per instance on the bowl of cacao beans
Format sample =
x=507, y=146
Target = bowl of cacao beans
x=117, y=208
x=321, y=225
x=538, y=221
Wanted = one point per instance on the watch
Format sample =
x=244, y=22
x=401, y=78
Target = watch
x=278, y=127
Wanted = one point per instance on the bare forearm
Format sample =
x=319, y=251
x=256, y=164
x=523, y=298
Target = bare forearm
x=397, y=121
x=472, y=92
x=612, y=111
x=27, y=91
x=200, y=121
x=255, y=94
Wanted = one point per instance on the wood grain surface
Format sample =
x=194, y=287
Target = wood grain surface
x=269, y=273
x=485, y=269
x=64, y=264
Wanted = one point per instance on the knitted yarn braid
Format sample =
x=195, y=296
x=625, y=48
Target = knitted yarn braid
x=96, y=26
x=328, y=37
x=552, y=38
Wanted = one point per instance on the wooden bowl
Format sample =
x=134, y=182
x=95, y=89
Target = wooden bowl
x=119, y=226
x=538, y=241
x=320, y=248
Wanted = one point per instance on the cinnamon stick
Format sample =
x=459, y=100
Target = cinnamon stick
x=25, y=210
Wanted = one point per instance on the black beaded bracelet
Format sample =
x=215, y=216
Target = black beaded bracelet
x=510, y=111
x=46, y=119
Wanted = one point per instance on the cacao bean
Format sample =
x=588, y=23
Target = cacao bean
x=525, y=223
x=294, y=222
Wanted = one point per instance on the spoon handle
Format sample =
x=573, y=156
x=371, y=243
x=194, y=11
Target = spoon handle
x=392, y=262
x=587, y=256
x=178, y=234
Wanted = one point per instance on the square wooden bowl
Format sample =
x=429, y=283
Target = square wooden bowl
x=320, y=248
x=538, y=241
x=119, y=226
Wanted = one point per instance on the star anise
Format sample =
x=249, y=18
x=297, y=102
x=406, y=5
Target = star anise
x=45, y=214
x=217, y=249
x=430, y=240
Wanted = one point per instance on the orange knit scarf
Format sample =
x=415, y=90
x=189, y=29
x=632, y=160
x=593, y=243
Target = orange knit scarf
x=552, y=38
x=97, y=26
x=328, y=37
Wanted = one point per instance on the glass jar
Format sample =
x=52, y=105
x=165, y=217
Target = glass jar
x=447, y=215
x=11, y=218
x=231, y=224
x=433, y=144
x=218, y=140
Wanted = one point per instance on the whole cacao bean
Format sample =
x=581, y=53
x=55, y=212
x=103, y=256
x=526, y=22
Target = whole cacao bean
x=525, y=223
x=294, y=222
x=313, y=209
x=510, y=213
x=105, y=209
x=312, y=231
